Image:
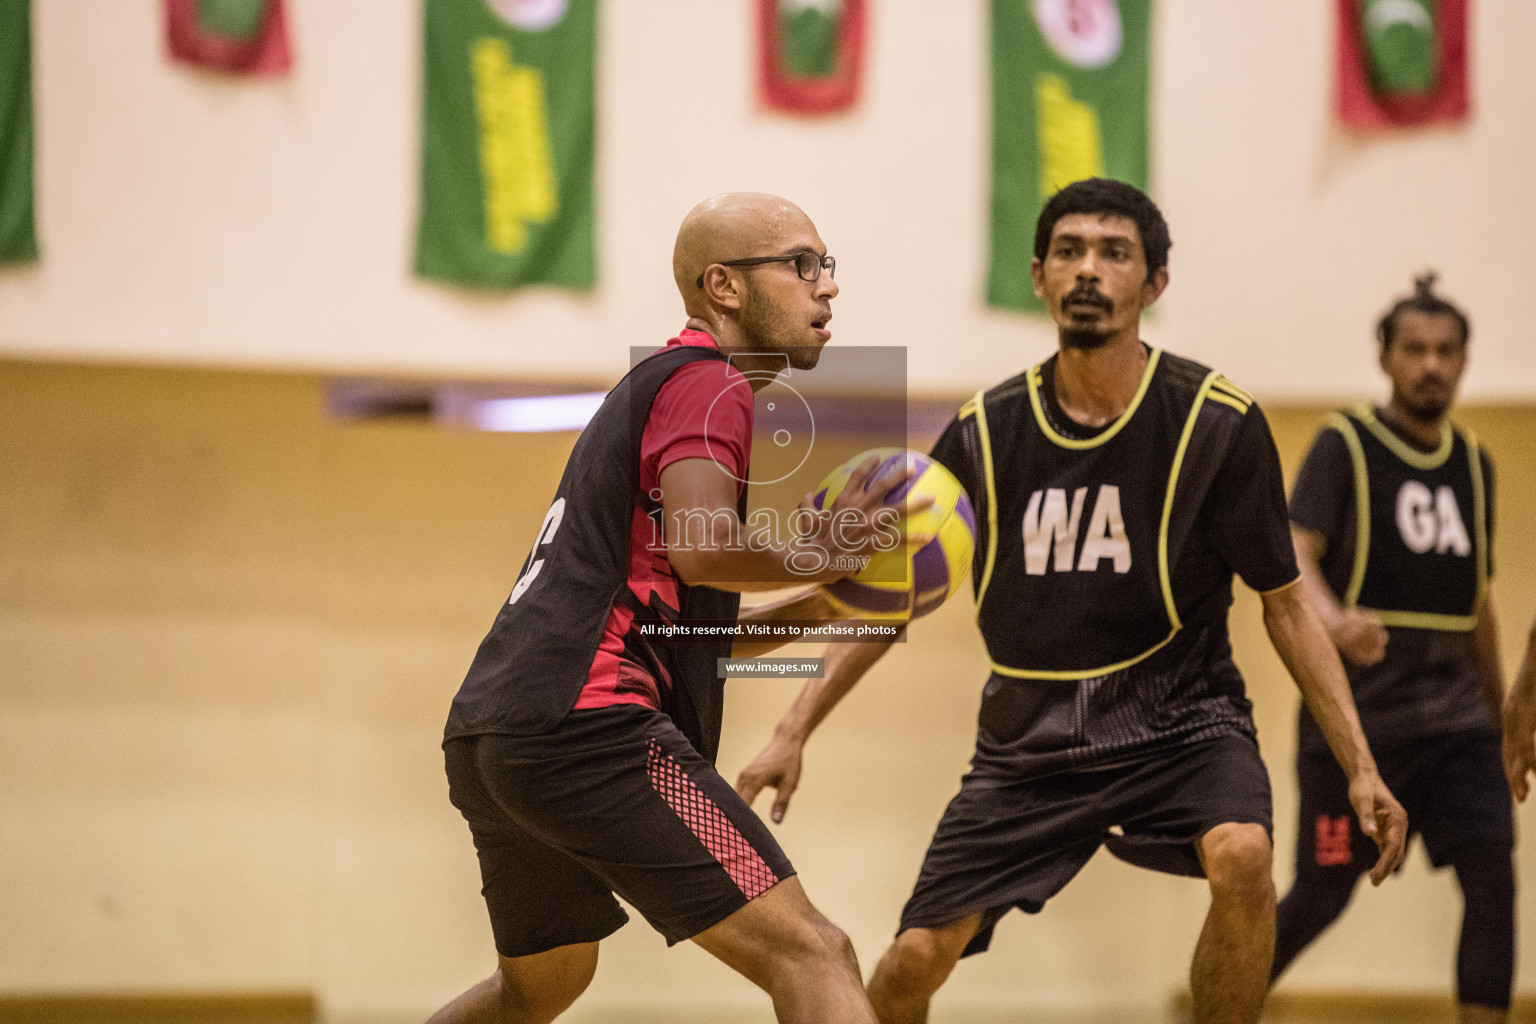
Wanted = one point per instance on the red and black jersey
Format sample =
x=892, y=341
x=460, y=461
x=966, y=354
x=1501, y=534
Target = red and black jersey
x=572, y=629
x=703, y=411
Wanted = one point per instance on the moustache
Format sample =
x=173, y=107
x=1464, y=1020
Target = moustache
x=1089, y=295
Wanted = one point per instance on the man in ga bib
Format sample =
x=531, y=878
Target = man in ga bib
x=1117, y=488
x=1392, y=517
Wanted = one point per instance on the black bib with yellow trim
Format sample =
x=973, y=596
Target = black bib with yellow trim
x=1078, y=538
x=1421, y=545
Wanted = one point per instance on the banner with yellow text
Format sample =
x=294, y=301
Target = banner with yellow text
x=507, y=143
x=1069, y=101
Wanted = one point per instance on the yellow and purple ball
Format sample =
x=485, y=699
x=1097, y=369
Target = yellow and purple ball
x=903, y=583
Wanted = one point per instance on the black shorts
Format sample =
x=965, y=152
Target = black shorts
x=615, y=800
x=1452, y=787
x=1005, y=843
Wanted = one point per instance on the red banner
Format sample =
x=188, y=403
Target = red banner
x=1383, y=81
x=237, y=36
x=811, y=54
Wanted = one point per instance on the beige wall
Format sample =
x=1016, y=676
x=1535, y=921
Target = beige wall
x=191, y=218
x=229, y=632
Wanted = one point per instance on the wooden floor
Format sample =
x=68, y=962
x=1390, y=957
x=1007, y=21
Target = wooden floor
x=265, y=1008
x=302, y=1008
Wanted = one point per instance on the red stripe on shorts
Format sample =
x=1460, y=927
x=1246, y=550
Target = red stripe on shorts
x=707, y=821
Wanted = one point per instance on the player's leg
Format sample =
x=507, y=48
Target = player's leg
x=914, y=968
x=727, y=886
x=1204, y=809
x=783, y=945
x=631, y=800
x=532, y=989
x=1485, y=958
x=1230, y=971
x=547, y=910
x=1001, y=843
x=1468, y=823
x=1312, y=904
x=1331, y=855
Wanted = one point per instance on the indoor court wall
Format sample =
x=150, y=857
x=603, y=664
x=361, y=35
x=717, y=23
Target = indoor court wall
x=269, y=223
x=231, y=628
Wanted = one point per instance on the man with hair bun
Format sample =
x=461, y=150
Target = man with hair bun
x=1392, y=519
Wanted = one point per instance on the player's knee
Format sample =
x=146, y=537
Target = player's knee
x=1239, y=862
x=836, y=946
x=541, y=998
x=820, y=941
x=815, y=942
x=921, y=960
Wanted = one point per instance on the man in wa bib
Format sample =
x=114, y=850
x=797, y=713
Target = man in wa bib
x=1117, y=488
x=1392, y=516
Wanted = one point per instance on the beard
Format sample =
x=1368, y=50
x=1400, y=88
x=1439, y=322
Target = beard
x=770, y=327
x=1085, y=339
x=1427, y=410
x=1077, y=333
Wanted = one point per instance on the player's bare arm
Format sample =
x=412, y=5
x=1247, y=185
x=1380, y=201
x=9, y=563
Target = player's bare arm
x=1303, y=644
x=1520, y=723
x=696, y=491
x=778, y=765
x=1485, y=649
x=1356, y=632
x=810, y=604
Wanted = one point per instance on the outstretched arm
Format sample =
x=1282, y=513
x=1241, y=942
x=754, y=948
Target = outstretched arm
x=778, y=765
x=807, y=605
x=1304, y=646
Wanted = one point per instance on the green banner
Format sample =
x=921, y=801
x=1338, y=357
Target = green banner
x=1069, y=101
x=18, y=232
x=507, y=143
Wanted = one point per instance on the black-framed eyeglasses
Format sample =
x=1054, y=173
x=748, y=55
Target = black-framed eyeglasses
x=808, y=265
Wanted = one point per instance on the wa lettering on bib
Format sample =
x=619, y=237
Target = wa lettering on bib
x=1421, y=545
x=1081, y=535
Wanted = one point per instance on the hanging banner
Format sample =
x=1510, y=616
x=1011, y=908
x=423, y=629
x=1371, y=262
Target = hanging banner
x=1402, y=62
x=18, y=233
x=1069, y=101
x=238, y=36
x=507, y=143
x=810, y=54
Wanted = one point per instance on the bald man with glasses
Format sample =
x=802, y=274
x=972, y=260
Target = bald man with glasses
x=580, y=747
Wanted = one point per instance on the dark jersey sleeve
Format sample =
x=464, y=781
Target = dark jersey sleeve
x=1323, y=498
x=1247, y=512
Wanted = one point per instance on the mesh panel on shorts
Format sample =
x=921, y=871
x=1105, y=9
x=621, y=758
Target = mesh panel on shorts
x=707, y=821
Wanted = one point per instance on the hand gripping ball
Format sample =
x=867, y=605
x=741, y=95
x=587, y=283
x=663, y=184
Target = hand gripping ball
x=903, y=583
